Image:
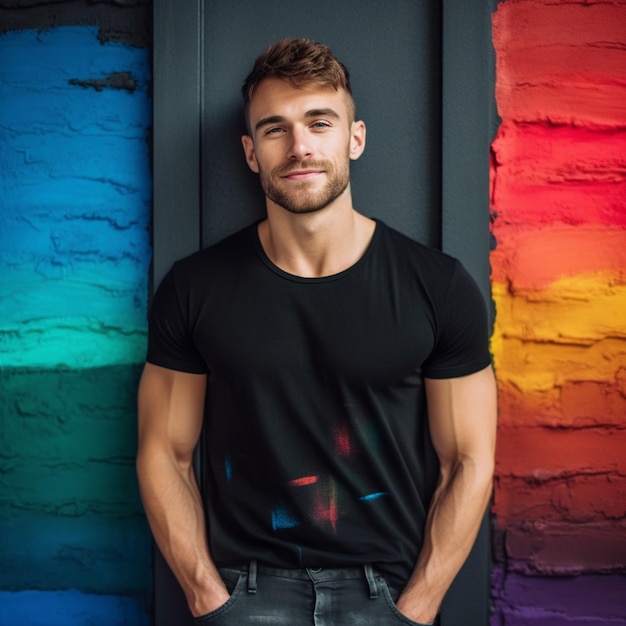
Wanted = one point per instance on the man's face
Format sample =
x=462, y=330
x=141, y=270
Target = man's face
x=301, y=143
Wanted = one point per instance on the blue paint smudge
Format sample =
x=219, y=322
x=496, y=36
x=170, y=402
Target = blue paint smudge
x=228, y=469
x=373, y=496
x=281, y=519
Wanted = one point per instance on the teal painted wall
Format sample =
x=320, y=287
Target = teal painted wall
x=75, y=207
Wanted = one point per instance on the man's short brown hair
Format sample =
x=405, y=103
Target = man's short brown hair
x=300, y=62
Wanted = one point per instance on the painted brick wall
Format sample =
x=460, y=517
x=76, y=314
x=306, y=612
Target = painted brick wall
x=74, y=212
x=559, y=283
x=75, y=200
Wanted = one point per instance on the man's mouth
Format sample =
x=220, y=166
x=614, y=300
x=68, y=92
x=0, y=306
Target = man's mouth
x=302, y=174
x=302, y=171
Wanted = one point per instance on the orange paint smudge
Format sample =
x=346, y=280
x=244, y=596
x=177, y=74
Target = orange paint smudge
x=533, y=259
x=538, y=367
x=574, y=403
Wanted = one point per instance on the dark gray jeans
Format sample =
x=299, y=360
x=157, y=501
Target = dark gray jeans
x=356, y=596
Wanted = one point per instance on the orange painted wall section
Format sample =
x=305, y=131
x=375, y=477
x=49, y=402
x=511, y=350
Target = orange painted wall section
x=558, y=203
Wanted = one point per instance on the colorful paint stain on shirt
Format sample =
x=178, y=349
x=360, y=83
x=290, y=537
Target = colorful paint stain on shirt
x=282, y=518
x=370, y=497
x=305, y=481
x=344, y=446
x=325, y=507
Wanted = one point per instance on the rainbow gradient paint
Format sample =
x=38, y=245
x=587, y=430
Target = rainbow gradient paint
x=559, y=283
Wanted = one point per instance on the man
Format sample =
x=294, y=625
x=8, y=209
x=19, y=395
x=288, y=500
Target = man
x=308, y=345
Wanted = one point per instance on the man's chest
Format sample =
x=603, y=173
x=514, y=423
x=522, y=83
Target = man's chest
x=360, y=332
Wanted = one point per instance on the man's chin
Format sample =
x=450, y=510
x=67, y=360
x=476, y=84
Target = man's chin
x=302, y=210
x=301, y=206
x=305, y=198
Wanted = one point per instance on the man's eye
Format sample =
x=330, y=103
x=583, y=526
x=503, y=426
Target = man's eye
x=274, y=130
x=320, y=125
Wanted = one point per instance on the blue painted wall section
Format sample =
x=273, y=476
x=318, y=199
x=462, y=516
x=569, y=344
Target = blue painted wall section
x=75, y=206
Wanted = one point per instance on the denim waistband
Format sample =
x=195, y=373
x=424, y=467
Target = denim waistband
x=315, y=575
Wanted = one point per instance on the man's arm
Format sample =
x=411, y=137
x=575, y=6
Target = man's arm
x=171, y=407
x=462, y=417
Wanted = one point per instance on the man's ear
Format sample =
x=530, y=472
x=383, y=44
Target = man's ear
x=357, y=139
x=248, y=150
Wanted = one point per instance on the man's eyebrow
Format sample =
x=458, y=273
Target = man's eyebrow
x=279, y=119
x=322, y=113
x=272, y=119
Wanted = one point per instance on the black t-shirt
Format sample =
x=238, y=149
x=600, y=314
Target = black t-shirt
x=316, y=434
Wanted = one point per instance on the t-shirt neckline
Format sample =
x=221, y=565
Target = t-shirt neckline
x=321, y=279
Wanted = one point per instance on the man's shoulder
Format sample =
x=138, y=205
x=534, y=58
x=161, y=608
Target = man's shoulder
x=403, y=245
x=233, y=245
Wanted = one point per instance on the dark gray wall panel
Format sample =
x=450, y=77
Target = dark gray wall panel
x=422, y=74
x=392, y=50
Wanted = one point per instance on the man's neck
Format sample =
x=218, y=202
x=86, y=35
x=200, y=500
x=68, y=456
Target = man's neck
x=316, y=244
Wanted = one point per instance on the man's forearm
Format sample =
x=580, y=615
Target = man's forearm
x=453, y=522
x=174, y=509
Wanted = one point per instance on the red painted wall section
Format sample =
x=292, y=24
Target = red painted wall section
x=558, y=196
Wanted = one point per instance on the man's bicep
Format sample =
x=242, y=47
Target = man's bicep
x=462, y=415
x=171, y=409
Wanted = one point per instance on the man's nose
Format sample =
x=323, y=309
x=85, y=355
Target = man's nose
x=300, y=147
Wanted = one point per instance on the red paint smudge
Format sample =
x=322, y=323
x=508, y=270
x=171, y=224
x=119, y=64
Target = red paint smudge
x=326, y=509
x=563, y=63
x=579, y=499
x=304, y=481
x=343, y=442
x=543, y=453
x=558, y=174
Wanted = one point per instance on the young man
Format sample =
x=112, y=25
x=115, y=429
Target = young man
x=342, y=375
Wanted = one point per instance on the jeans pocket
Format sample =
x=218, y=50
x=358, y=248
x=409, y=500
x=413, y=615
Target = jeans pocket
x=228, y=605
x=390, y=595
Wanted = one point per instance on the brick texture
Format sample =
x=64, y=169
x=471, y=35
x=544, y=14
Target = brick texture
x=558, y=204
x=74, y=255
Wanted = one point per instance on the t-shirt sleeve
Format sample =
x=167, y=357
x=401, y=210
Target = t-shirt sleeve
x=462, y=345
x=170, y=329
